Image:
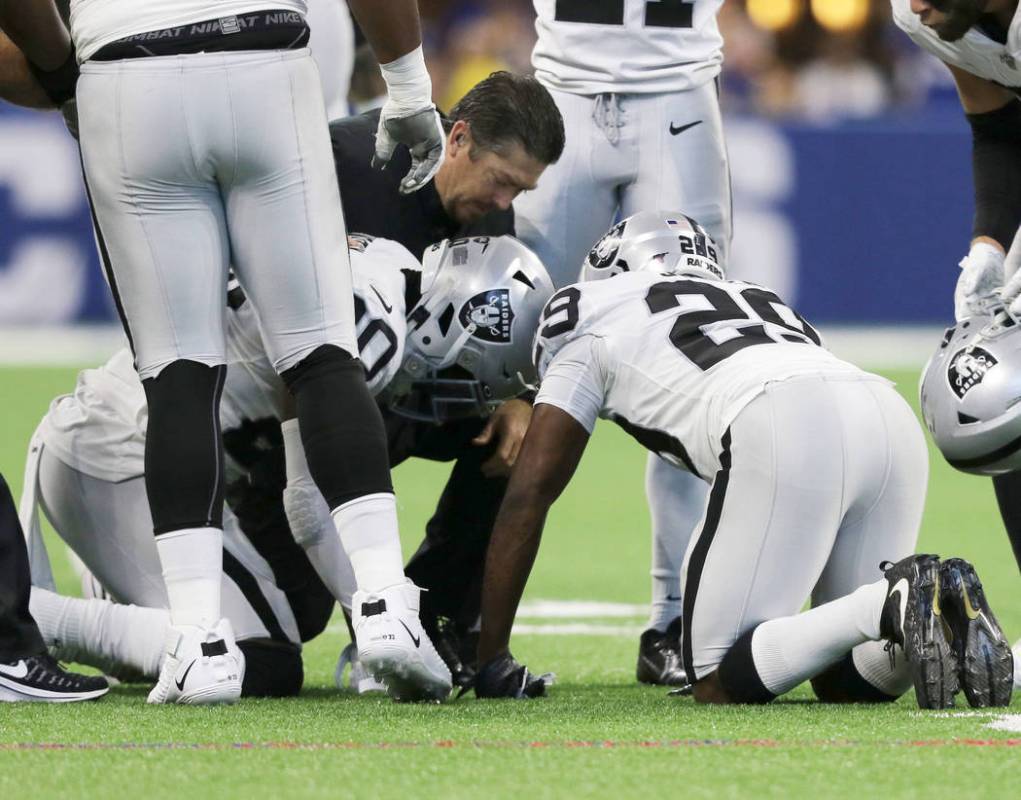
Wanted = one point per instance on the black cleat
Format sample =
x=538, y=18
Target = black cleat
x=40, y=678
x=912, y=618
x=659, y=657
x=456, y=649
x=985, y=665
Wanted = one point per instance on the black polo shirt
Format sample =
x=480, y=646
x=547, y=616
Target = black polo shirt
x=374, y=205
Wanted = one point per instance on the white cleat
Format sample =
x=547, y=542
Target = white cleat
x=359, y=679
x=1017, y=664
x=393, y=647
x=202, y=666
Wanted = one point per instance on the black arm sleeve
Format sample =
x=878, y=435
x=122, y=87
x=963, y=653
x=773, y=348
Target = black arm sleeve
x=996, y=165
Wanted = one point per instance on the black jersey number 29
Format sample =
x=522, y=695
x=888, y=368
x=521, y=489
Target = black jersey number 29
x=688, y=335
x=658, y=13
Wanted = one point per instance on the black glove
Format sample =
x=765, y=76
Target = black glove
x=505, y=677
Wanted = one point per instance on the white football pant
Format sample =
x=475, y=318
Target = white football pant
x=332, y=42
x=620, y=155
x=822, y=480
x=109, y=527
x=195, y=161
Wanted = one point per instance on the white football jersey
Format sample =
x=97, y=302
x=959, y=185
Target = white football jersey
x=96, y=23
x=640, y=46
x=672, y=359
x=100, y=428
x=975, y=52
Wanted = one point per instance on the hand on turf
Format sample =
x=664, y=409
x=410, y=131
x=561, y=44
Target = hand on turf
x=978, y=287
x=421, y=132
x=507, y=428
x=504, y=677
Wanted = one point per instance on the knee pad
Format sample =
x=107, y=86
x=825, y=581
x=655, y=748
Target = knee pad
x=272, y=669
x=183, y=451
x=842, y=683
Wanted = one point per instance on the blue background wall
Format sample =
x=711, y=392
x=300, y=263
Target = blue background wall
x=857, y=223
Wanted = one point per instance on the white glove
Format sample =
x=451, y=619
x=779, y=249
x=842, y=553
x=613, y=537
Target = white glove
x=409, y=117
x=978, y=287
x=1010, y=295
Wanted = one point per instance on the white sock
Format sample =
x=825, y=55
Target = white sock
x=872, y=660
x=368, y=530
x=790, y=650
x=192, y=561
x=676, y=502
x=101, y=633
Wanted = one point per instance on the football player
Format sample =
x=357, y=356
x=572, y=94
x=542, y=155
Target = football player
x=635, y=81
x=723, y=379
x=972, y=38
x=86, y=464
x=204, y=138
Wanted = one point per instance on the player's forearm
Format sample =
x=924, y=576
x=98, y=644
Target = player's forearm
x=37, y=29
x=391, y=26
x=17, y=85
x=509, y=561
x=996, y=169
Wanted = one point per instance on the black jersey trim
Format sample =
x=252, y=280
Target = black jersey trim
x=249, y=587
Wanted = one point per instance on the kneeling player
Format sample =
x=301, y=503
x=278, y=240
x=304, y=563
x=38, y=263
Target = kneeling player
x=87, y=465
x=818, y=474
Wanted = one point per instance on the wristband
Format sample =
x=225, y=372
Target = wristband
x=408, y=83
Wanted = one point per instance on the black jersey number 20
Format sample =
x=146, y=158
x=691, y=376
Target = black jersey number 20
x=658, y=13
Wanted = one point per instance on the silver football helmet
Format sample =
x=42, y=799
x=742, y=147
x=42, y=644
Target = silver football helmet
x=666, y=241
x=469, y=338
x=971, y=395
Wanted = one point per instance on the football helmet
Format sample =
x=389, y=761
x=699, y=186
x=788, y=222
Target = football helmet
x=971, y=395
x=469, y=338
x=666, y=241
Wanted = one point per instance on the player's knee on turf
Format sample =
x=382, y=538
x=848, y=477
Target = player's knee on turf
x=735, y=680
x=341, y=427
x=272, y=669
x=843, y=683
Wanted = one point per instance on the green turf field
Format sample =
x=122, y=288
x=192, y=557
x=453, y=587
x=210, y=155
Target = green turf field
x=598, y=735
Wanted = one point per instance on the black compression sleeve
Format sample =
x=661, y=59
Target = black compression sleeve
x=59, y=84
x=996, y=163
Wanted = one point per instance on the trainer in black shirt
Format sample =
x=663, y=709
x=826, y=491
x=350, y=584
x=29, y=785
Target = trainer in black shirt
x=500, y=138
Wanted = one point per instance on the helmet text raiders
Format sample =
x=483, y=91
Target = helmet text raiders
x=665, y=241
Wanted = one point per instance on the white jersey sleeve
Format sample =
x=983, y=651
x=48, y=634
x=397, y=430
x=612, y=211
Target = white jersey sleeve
x=638, y=46
x=673, y=359
x=975, y=52
x=378, y=282
x=574, y=382
x=97, y=23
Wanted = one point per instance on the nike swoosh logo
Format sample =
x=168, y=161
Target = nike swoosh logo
x=19, y=670
x=416, y=640
x=389, y=308
x=674, y=131
x=180, y=683
x=672, y=598
x=902, y=587
x=969, y=609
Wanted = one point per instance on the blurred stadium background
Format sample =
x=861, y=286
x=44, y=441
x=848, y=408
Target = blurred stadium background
x=849, y=153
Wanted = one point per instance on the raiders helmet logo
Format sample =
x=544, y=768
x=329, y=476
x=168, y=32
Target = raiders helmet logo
x=967, y=369
x=603, y=254
x=491, y=314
